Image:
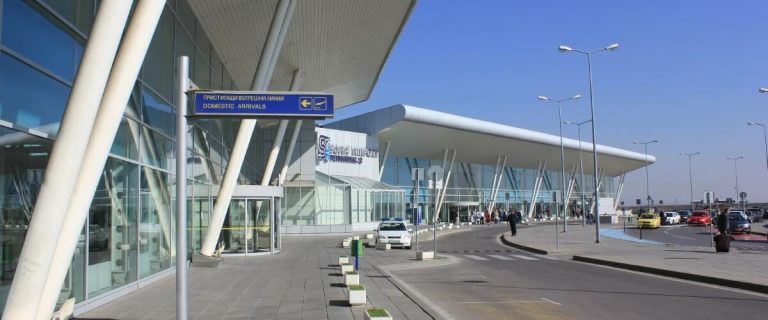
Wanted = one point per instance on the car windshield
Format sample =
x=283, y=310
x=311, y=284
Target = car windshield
x=647, y=216
x=699, y=214
x=392, y=227
x=669, y=214
x=736, y=217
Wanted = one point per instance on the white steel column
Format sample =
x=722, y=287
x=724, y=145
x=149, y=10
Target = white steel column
x=280, y=23
x=493, y=184
x=571, y=183
x=299, y=74
x=497, y=183
x=618, y=191
x=597, y=196
x=536, y=186
x=37, y=256
x=270, y=166
x=384, y=161
x=445, y=185
x=121, y=82
x=295, y=86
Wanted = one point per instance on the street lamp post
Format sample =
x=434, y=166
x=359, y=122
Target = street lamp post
x=612, y=47
x=765, y=138
x=562, y=156
x=647, y=184
x=690, y=172
x=581, y=168
x=736, y=173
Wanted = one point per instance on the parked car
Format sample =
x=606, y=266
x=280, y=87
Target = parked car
x=700, y=217
x=738, y=224
x=684, y=215
x=649, y=220
x=755, y=214
x=671, y=217
x=393, y=232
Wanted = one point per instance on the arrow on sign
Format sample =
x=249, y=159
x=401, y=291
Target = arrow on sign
x=305, y=103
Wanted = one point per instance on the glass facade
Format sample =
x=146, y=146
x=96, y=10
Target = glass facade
x=129, y=232
x=470, y=187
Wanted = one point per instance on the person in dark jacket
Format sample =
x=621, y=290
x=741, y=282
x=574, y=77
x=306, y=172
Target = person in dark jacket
x=722, y=221
x=512, y=219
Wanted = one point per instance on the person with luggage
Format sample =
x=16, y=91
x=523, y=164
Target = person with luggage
x=723, y=240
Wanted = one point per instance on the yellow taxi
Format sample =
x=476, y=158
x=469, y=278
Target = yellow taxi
x=649, y=220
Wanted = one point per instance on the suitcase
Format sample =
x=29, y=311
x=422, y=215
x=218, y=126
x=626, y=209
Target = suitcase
x=722, y=243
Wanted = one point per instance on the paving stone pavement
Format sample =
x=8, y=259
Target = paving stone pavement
x=301, y=282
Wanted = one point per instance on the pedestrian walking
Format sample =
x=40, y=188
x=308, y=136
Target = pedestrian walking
x=513, y=220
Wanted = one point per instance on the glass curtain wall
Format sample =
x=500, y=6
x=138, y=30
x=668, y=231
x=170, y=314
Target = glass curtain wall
x=472, y=183
x=129, y=232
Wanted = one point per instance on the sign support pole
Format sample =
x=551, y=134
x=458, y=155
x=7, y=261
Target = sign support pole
x=415, y=208
x=434, y=215
x=181, y=189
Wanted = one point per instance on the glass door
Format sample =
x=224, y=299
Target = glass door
x=259, y=225
x=233, y=233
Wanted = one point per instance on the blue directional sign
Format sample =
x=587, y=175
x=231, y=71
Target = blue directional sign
x=250, y=104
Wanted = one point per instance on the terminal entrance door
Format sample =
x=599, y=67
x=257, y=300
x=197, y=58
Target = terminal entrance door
x=251, y=227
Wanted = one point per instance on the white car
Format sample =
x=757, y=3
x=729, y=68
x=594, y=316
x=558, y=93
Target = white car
x=393, y=232
x=671, y=217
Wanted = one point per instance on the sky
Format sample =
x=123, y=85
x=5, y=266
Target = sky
x=687, y=73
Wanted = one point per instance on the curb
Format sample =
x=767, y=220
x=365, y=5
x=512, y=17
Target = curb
x=404, y=289
x=676, y=274
x=522, y=247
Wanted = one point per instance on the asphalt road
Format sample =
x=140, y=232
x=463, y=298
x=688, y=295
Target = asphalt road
x=493, y=281
x=686, y=235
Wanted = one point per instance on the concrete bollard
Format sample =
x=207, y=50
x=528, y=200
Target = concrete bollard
x=425, y=255
x=369, y=236
x=383, y=246
x=343, y=260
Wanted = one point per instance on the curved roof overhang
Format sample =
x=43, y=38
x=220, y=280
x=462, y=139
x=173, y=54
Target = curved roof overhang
x=423, y=133
x=340, y=45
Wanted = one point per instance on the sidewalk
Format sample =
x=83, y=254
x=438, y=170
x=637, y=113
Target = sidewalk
x=301, y=282
x=738, y=269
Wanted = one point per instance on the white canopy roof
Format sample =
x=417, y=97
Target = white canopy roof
x=423, y=133
x=341, y=45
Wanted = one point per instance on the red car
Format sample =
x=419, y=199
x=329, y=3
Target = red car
x=700, y=217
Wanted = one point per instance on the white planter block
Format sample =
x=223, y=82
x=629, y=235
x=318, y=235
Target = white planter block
x=387, y=317
x=450, y=227
x=346, y=268
x=355, y=237
x=383, y=246
x=425, y=255
x=343, y=260
x=351, y=279
x=369, y=236
x=457, y=227
x=345, y=243
x=356, y=297
x=441, y=228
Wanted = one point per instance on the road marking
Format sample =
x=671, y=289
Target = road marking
x=471, y=256
x=547, y=257
x=492, y=302
x=524, y=257
x=500, y=257
x=682, y=237
x=552, y=302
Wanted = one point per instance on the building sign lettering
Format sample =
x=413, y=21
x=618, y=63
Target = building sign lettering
x=340, y=153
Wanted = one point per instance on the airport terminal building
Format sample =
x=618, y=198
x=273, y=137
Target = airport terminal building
x=287, y=177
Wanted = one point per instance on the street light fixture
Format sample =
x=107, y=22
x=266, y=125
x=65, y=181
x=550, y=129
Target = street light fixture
x=647, y=184
x=581, y=168
x=562, y=157
x=736, y=173
x=765, y=138
x=763, y=90
x=690, y=172
x=611, y=47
